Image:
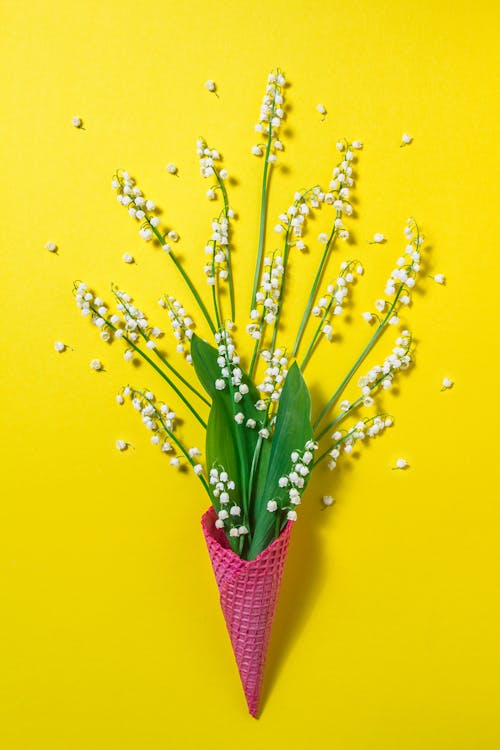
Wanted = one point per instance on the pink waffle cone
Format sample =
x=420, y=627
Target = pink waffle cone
x=248, y=595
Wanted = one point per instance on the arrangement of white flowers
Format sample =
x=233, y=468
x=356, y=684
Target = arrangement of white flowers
x=261, y=445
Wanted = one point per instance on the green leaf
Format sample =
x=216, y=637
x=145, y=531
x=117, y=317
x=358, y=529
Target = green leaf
x=208, y=371
x=221, y=452
x=227, y=442
x=293, y=430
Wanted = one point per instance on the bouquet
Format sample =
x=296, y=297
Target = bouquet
x=261, y=442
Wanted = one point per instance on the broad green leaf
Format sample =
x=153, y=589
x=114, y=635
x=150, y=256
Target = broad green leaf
x=221, y=451
x=227, y=441
x=293, y=430
x=208, y=371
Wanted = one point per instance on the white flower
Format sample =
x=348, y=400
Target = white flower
x=127, y=258
x=321, y=109
x=51, y=247
x=234, y=531
x=447, y=383
x=76, y=122
x=401, y=463
x=238, y=418
x=378, y=237
x=96, y=364
x=210, y=85
x=327, y=500
x=59, y=346
x=121, y=445
x=220, y=384
x=439, y=278
x=357, y=144
x=119, y=399
x=198, y=469
x=211, y=194
x=272, y=506
x=171, y=168
x=256, y=151
x=405, y=138
x=291, y=515
x=323, y=238
x=367, y=316
x=219, y=524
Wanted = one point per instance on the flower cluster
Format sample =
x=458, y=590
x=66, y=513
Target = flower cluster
x=332, y=302
x=131, y=196
x=383, y=375
x=182, y=324
x=274, y=377
x=292, y=223
x=217, y=250
x=344, y=440
x=341, y=184
x=294, y=481
x=160, y=419
x=268, y=295
x=230, y=515
x=402, y=279
x=270, y=117
x=228, y=361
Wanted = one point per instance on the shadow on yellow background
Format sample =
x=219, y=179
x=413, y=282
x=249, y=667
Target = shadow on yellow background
x=386, y=634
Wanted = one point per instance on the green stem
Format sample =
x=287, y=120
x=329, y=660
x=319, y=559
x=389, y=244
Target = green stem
x=340, y=417
x=316, y=282
x=162, y=358
x=263, y=206
x=185, y=276
x=157, y=369
x=241, y=450
x=174, y=439
x=360, y=359
x=214, y=291
x=228, y=253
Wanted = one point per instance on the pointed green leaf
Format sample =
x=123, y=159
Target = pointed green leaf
x=293, y=430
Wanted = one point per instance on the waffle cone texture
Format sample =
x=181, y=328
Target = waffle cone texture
x=248, y=591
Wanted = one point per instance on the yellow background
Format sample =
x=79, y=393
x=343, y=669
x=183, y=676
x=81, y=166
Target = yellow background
x=111, y=636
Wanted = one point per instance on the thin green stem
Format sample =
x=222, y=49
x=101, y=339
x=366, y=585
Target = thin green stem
x=156, y=368
x=380, y=328
x=185, y=276
x=214, y=290
x=162, y=358
x=228, y=252
x=173, y=438
x=263, y=206
x=314, y=289
x=241, y=449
